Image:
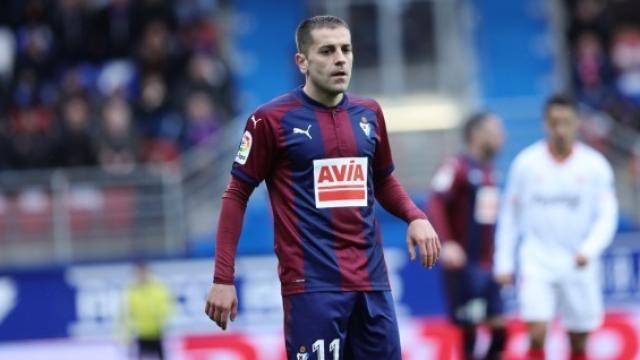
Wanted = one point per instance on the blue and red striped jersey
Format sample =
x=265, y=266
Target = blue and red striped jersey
x=319, y=165
x=464, y=205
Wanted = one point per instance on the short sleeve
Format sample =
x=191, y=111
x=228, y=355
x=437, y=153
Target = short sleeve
x=383, y=162
x=254, y=159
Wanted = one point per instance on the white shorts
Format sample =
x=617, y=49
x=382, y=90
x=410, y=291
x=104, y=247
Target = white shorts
x=575, y=295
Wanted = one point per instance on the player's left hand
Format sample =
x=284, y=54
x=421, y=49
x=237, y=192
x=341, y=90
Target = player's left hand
x=581, y=260
x=422, y=235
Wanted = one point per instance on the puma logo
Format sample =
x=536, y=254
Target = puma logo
x=255, y=122
x=305, y=132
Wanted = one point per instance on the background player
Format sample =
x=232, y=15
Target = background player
x=149, y=306
x=324, y=155
x=463, y=208
x=560, y=200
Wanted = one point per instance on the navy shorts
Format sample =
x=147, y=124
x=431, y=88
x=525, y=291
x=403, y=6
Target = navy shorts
x=473, y=295
x=341, y=325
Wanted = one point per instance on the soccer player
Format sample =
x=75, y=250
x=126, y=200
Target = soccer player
x=325, y=156
x=560, y=201
x=463, y=208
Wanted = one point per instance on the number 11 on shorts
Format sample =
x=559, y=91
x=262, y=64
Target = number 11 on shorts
x=334, y=348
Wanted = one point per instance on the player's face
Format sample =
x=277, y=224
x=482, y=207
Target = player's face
x=327, y=64
x=492, y=137
x=561, y=124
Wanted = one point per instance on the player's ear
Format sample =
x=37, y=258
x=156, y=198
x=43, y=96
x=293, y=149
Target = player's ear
x=302, y=62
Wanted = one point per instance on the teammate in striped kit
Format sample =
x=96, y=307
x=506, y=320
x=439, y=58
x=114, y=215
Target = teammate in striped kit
x=463, y=208
x=325, y=156
x=560, y=201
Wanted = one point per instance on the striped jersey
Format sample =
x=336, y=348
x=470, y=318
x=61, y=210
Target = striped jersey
x=319, y=165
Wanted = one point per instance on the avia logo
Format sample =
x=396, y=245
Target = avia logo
x=340, y=182
x=255, y=122
x=305, y=132
x=8, y=297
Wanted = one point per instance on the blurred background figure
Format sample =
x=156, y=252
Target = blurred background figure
x=118, y=147
x=560, y=204
x=463, y=208
x=149, y=306
x=75, y=145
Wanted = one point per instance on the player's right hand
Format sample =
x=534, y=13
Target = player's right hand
x=222, y=304
x=452, y=255
x=505, y=279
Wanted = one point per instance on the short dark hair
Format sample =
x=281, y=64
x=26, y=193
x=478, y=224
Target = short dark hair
x=303, y=32
x=559, y=100
x=473, y=122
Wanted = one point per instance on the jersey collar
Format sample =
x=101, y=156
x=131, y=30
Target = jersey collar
x=309, y=102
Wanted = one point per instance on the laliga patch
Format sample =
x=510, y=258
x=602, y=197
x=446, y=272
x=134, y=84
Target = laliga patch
x=244, y=148
x=340, y=182
x=487, y=205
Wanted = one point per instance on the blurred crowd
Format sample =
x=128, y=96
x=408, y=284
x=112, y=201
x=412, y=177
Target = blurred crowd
x=604, y=37
x=110, y=83
x=604, y=43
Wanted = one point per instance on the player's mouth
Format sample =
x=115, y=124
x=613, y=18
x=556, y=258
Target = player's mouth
x=339, y=74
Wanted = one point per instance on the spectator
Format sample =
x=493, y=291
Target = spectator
x=113, y=34
x=31, y=141
x=118, y=144
x=71, y=27
x=202, y=120
x=591, y=70
x=75, y=145
x=160, y=124
x=211, y=75
x=158, y=51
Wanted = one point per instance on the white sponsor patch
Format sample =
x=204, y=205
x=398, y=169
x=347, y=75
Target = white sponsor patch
x=487, y=204
x=340, y=182
x=244, y=148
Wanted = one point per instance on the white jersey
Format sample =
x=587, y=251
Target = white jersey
x=557, y=209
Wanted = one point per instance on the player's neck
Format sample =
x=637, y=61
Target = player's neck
x=324, y=98
x=478, y=155
x=560, y=153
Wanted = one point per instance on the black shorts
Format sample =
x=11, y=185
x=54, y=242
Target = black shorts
x=150, y=347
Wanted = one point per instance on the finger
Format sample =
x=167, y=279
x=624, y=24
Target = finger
x=437, y=247
x=207, y=306
x=431, y=254
x=424, y=253
x=411, y=249
x=210, y=311
x=234, y=311
x=224, y=318
x=216, y=315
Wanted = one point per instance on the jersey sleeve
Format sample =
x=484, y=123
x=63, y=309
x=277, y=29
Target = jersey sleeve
x=256, y=151
x=605, y=214
x=383, y=162
x=507, y=228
